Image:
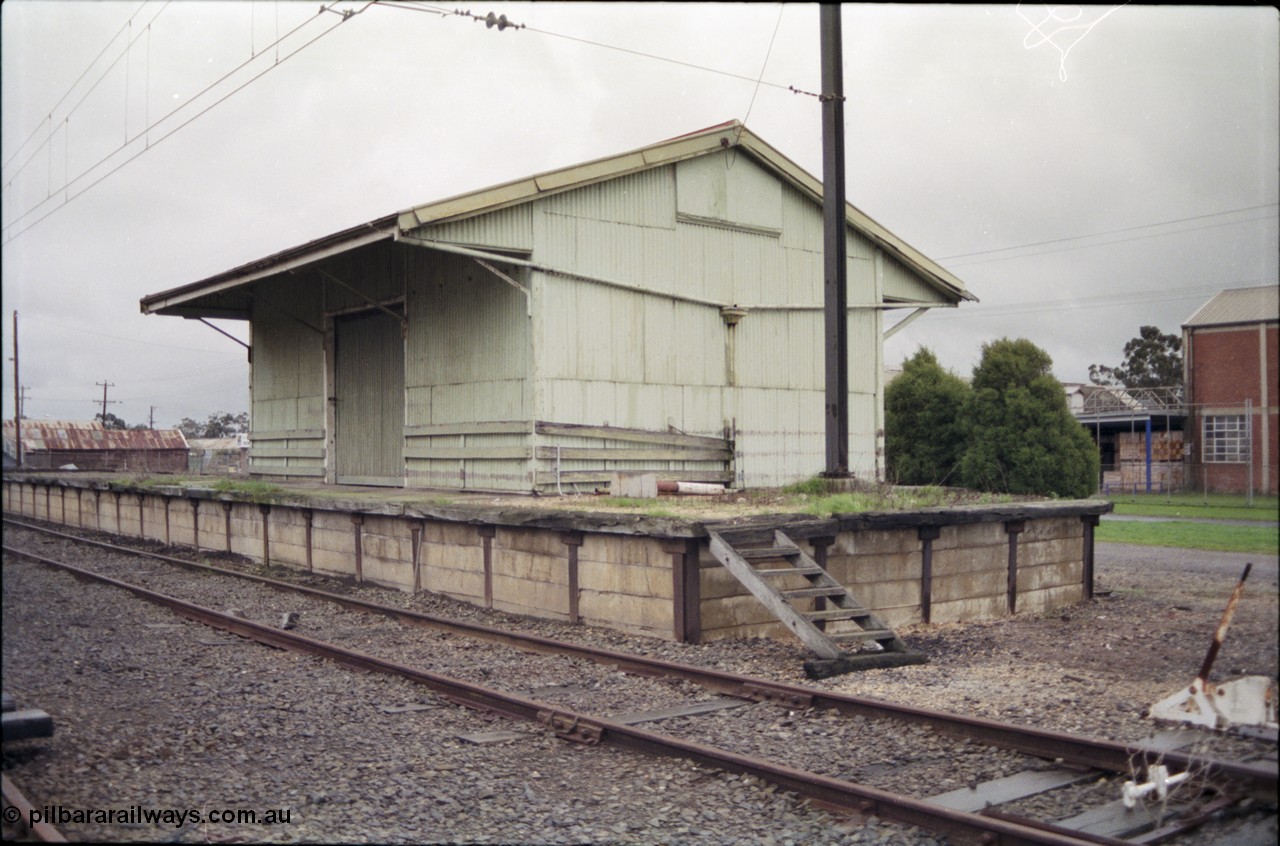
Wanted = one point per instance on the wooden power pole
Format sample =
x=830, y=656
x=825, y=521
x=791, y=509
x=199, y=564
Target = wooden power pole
x=104, y=385
x=835, y=266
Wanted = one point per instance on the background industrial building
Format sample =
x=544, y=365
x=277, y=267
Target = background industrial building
x=80, y=445
x=1232, y=363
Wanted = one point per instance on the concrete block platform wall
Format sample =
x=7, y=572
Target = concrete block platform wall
x=646, y=576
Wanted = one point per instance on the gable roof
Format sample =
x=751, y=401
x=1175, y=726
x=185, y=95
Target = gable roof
x=731, y=134
x=1238, y=305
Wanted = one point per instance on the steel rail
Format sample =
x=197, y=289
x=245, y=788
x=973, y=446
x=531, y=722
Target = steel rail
x=1257, y=780
x=836, y=794
x=14, y=798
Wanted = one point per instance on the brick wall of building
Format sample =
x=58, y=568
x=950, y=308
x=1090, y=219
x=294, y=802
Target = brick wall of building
x=1227, y=367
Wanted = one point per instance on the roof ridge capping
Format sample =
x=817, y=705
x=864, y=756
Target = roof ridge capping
x=731, y=133
x=493, y=197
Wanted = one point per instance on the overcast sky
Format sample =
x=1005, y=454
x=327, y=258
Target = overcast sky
x=1085, y=170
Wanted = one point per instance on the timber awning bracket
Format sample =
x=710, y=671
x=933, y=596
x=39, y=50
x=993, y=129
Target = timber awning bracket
x=402, y=319
x=513, y=282
x=225, y=332
x=904, y=322
x=248, y=349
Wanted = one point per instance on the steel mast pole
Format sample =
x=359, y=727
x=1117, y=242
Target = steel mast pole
x=17, y=398
x=835, y=266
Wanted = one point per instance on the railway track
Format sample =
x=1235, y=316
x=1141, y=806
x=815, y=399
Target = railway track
x=18, y=822
x=594, y=703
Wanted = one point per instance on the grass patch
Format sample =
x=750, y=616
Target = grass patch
x=890, y=499
x=1211, y=506
x=259, y=491
x=644, y=506
x=1261, y=539
x=159, y=481
x=624, y=502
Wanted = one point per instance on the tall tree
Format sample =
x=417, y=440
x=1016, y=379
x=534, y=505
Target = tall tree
x=221, y=424
x=225, y=425
x=1151, y=360
x=1023, y=439
x=190, y=428
x=110, y=421
x=924, y=435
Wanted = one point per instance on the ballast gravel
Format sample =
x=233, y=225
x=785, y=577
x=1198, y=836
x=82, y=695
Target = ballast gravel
x=169, y=715
x=161, y=713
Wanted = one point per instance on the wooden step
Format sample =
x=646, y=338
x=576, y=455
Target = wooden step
x=791, y=571
x=801, y=593
x=766, y=553
x=748, y=565
x=870, y=634
x=25, y=724
x=834, y=614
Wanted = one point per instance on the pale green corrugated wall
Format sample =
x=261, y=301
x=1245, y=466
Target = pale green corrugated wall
x=629, y=359
x=287, y=375
x=467, y=357
x=601, y=355
x=901, y=282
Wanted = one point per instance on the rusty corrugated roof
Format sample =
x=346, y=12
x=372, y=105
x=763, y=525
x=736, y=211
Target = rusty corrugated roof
x=1239, y=305
x=66, y=435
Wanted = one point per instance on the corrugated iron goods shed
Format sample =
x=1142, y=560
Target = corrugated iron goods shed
x=658, y=310
x=52, y=444
x=1238, y=305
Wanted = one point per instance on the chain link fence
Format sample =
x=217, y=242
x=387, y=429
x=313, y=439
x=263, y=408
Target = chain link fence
x=1151, y=440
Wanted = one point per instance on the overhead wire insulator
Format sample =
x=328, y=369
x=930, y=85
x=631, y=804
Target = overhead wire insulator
x=500, y=21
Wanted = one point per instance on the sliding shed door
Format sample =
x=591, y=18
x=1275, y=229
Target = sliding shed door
x=369, y=387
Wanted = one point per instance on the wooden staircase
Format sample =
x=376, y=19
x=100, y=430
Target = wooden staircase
x=761, y=568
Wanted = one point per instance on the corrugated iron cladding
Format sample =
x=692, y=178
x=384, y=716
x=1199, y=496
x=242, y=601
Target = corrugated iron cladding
x=1239, y=305
x=504, y=229
x=642, y=199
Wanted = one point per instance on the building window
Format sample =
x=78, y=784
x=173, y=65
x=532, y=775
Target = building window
x=1226, y=438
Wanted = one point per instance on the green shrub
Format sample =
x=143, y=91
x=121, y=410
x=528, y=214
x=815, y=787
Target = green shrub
x=924, y=433
x=1022, y=437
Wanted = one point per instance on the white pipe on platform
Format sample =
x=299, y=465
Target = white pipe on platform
x=691, y=488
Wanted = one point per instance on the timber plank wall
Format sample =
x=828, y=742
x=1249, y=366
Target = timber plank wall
x=643, y=575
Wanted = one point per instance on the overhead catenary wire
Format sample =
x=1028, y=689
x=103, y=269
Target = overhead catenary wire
x=436, y=10
x=756, y=90
x=490, y=20
x=1105, y=233
x=67, y=185
x=980, y=311
x=129, y=42
x=83, y=73
x=151, y=144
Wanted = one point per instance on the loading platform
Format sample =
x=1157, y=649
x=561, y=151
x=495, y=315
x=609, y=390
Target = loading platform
x=666, y=577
